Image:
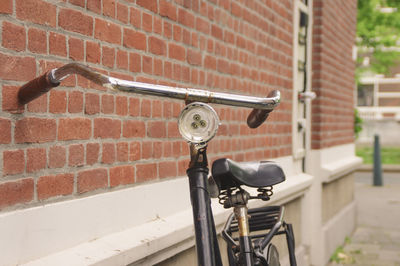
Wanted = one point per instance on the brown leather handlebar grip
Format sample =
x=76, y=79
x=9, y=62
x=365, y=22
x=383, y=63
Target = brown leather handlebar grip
x=36, y=87
x=257, y=117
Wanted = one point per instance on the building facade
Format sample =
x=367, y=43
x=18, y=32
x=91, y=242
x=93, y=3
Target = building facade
x=90, y=176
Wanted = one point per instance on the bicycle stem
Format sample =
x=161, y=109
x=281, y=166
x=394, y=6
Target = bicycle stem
x=262, y=106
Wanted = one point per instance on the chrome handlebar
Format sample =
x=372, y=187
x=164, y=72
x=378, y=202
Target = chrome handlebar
x=262, y=106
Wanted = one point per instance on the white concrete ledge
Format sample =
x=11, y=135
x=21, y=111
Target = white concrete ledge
x=156, y=240
x=334, y=170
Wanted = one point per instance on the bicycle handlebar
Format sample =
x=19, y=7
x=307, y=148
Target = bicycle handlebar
x=262, y=106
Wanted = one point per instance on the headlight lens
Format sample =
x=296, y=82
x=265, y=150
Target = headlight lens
x=198, y=123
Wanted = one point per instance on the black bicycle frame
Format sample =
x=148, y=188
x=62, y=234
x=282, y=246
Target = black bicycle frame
x=208, y=253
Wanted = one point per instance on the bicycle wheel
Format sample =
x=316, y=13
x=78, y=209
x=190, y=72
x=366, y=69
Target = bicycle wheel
x=273, y=256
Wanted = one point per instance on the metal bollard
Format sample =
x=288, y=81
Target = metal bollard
x=378, y=179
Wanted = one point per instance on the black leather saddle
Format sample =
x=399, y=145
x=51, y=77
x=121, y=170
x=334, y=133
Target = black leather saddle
x=228, y=174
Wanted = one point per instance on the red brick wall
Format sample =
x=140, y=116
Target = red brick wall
x=333, y=73
x=81, y=139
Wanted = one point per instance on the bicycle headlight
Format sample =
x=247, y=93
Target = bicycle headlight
x=198, y=123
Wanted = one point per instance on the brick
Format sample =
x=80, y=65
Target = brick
x=107, y=31
x=146, y=172
x=108, y=56
x=76, y=49
x=92, y=153
x=107, y=128
x=177, y=72
x=122, y=175
x=37, y=41
x=177, y=32
x=76, y=155
x=109, y=8
x=168, y=70
x=167, y=9
x=57, y=44
x=135, y=64
x=202, y=25
x=133, y=129
x=14, y=192
x=36, y=11
x=147, y=150
x=10, y=100
x=210, y=62
x=13, y=162
x=122, y=59
x=147, y=22
x=167, y=149
x=167, y=169
x=185, y=18
x=167, y=29
x=186, y=37
x=6, y=7
x=158, y=67
x=167, y=110
x=80, y=3
x=194, y=57
x=90, y=180
x=172, y=130
x=13, y=36
x=108, y=153
x=74, y=128
x=121, y=105
x=157, y=46
x=135, y=17
x=107, y=104
x=75, y=102
x=58, y=102
x=122, y=152
x=223, y=66
x=134, y=39
x=5, y=129
x=157, y=149
x=217, y=32
x=94, y=5
x=150, y=5
x=93, y=52
x=236, y=10
x=176, y=149
x=36, y=159
x=134, y=107
x=35, y=130
x=145, y=108
x=122, y=13
x=147, y=64
x=92, y=103
x=157, y=109
x=11, y=65
x=75, y=21
x=157, y=25
x=55, y=185
x=176, y=52
x=135, y=151
x=57, y=157
x=156, y=129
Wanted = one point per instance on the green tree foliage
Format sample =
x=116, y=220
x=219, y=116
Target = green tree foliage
x=378, y=27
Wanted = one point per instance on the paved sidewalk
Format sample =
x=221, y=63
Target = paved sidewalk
x=376, y=240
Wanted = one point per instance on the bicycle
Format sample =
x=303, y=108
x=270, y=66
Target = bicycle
x=248, y=232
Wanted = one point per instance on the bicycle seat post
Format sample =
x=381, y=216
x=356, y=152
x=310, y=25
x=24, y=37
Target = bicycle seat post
x=239, y=203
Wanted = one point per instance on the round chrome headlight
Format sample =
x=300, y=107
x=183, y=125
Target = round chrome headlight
x=198, y=123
